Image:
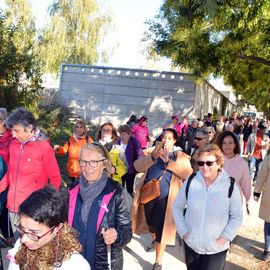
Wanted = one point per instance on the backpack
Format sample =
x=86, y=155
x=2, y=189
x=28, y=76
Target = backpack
x=192, y=176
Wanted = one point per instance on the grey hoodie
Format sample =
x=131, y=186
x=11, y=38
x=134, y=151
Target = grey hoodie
x=210, y=213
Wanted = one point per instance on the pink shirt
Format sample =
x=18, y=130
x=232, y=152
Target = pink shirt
x=183, y=127
x=177, y=128
x=141, y=134
x=238, y=169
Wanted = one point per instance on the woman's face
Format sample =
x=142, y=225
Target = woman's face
x=30, y=225
x=79, y=130
x=90, y=172
x=106, y=133
x=228, y=146
x=168, y=140
x=205, y=170
x=144, y=123
x=211, y=134
x=174, y=121
x=124, y=136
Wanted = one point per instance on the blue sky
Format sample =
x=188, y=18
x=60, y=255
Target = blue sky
x=129, y=18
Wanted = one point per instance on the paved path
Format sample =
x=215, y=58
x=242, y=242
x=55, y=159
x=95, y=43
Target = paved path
x=245, y=252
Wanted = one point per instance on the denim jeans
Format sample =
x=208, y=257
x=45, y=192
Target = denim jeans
x=267, y=236
x=254, y=162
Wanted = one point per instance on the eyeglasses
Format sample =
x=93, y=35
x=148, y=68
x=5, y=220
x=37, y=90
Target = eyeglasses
x=198, y=138
x=91, y=163
x=30, y=235
x=208, y=163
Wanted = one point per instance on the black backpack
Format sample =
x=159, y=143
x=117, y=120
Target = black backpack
x=192, y=176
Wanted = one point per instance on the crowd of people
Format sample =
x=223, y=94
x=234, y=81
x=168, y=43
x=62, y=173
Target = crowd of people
x=193, y=179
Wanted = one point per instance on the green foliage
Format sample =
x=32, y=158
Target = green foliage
x=74, y=34
x=54, y=120
x=218, y=37
x=215, y=113
x=20, y=77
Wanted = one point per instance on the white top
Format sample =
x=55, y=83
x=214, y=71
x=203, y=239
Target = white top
x=75, y=261
x=124, y=146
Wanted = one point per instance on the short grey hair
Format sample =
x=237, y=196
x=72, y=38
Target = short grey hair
x=3, y=113
x=203, y=132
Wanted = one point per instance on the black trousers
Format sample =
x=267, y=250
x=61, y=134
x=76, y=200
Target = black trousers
x=155, y=211
x=195, y=261
x=128, y=180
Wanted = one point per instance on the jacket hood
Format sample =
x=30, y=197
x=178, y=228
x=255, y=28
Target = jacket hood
x=6, y=134
x=42, y=135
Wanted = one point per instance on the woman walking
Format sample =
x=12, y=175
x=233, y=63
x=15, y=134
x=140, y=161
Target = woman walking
x=213, y=212
x=46, y=241
x=234, y=165
x=171, y=166
x=73, y=148
x=98, y=210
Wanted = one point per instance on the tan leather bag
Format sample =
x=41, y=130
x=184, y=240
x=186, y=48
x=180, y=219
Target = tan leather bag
x=151, y=189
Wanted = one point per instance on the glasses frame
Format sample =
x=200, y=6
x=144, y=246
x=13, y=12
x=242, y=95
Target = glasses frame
x=29, y=233
x=89, y=162
x=208, y=163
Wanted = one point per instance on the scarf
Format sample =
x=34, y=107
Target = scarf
x=89, y=193
x=76, y=137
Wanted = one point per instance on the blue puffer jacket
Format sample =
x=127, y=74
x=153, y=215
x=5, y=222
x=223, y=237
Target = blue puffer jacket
x=109, y=209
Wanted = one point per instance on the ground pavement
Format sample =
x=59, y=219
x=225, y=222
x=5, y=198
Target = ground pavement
x=244, y=254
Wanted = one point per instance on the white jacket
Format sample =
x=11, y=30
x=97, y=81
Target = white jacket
x=76, y=261
x=210, y=213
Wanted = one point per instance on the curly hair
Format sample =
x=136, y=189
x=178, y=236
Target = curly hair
x=222, y=135
x=44, y=258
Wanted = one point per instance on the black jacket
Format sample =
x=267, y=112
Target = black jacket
x=94, y=248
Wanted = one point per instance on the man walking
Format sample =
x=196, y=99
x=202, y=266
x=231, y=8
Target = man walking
x=257, y=146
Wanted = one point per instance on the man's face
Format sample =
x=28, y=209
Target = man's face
x=22, y=134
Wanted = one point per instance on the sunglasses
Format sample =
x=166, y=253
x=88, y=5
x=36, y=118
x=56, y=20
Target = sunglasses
x=198, y=138
x=208, y=163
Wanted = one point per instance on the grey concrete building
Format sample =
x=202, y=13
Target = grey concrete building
x=100, y=94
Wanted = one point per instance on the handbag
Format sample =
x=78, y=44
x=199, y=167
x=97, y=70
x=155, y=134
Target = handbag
x=151, y=189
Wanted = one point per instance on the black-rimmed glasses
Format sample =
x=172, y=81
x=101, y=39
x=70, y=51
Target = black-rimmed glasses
x=91, y=163
x=30, y=235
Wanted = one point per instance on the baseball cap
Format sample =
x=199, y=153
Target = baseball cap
x=175, y=116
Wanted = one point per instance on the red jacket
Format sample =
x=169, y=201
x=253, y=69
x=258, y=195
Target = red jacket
x=30, y=166
x=4, y=144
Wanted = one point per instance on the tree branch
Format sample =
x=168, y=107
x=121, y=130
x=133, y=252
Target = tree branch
x=253, y=58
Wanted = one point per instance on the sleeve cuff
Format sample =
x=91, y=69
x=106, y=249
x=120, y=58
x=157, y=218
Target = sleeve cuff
x=256, y=194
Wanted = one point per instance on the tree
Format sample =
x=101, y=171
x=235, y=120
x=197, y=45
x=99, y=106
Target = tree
x=223, y=38
x=20, y=77
x=73, y=35
x=18, y=14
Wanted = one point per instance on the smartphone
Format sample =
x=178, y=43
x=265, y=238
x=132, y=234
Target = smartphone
x=159, y=145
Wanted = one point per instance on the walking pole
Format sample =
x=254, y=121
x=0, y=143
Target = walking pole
x=109, y=257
